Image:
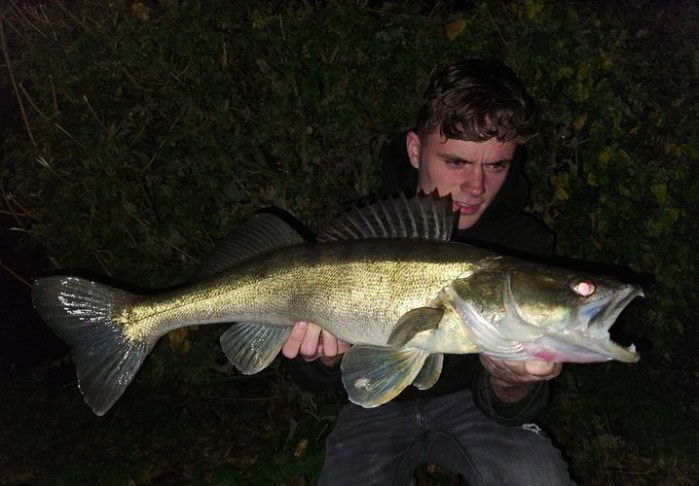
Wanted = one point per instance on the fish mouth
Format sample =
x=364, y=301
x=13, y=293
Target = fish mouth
x=592, y=342
x=602, y=320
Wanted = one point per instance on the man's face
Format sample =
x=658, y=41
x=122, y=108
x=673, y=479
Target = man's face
x=472, y=172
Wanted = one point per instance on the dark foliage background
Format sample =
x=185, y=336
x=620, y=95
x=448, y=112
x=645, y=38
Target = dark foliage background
x=145, y=131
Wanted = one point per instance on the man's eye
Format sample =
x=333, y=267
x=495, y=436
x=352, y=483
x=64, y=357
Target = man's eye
x=455, y=163
x=496, y=167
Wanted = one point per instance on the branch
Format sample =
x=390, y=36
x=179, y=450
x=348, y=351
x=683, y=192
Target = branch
x=3, y=43
x=14, y=274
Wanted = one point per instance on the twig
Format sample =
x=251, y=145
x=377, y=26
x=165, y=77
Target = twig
x=10, y=213
x=14, y=274
x=320, y=434
x=134, y=81
x=42, y=161
x=155, y=84
x=164, y=141
x=20, y=11
x=181, y=73
x=497, y=29
x=133, y=240
x=281, y=25
x=93, y=112
x=53, y=95
x=31, y=102
x=99, y=259
x=93, y=247
x=224, y=56
x=54, y=262
x=13, y=81
x=73, y=17
x=69, y=135
x=40, y=11
x=9, y=201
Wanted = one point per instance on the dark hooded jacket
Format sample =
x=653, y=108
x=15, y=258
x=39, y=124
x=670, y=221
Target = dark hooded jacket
x=503, y=227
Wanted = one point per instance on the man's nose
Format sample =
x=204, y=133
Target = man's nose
x=473, y=182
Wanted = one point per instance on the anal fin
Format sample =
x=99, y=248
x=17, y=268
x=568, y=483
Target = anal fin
x=429, y=374
x=373, y=375
x=251, y=347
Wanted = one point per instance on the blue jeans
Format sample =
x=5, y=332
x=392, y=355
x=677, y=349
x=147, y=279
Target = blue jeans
x=383, y=445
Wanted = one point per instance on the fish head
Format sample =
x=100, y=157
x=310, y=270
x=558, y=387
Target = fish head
x=548, y=313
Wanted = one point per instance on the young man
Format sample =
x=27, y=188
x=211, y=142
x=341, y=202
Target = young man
x=475, y=114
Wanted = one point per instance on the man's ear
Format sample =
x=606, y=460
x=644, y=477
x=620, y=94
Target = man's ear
x=413, y=144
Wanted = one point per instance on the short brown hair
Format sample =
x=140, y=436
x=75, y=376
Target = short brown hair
x=476, y=100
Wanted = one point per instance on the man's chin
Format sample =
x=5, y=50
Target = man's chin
x=465, y=222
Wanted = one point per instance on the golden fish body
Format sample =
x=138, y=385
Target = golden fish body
x=356, y=290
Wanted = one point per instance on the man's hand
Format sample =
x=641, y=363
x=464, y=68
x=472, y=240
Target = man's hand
x=512, y=380
x=313, y=342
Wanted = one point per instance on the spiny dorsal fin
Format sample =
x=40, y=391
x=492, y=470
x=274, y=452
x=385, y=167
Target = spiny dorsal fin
x=423, y=217
x=260, y=233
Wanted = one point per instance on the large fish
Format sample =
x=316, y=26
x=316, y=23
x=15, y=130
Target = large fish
x=384, y=277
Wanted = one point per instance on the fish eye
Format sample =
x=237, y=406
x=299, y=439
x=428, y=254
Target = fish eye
x=583, y=288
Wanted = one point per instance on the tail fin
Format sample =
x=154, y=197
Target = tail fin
x=82, y=313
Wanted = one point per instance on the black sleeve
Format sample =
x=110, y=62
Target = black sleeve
x=313, y=376
x=515, y=413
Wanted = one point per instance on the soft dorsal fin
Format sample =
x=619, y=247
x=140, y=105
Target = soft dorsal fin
x=260, y=233
x=423, y=217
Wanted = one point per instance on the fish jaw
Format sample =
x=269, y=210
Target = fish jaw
x=579, y=348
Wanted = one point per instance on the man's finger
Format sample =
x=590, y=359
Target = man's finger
x=293, y=342
x=329, y=344
x=342, y=347
x=310, y=343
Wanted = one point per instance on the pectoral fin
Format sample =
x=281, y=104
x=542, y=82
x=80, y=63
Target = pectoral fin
x=429, y=374
x=414, y=322
x=252, y=347
x=373, y=375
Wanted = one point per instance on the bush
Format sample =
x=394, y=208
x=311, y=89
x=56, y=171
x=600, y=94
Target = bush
x=148, y=130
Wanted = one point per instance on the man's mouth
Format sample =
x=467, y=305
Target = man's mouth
x=466, y=209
